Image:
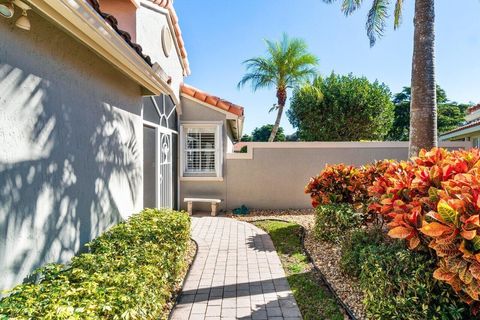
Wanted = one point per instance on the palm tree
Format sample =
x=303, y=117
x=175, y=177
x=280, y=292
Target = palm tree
x=423, y=107
x=286, y=65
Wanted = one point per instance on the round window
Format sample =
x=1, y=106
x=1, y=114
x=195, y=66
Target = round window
x=167, y=41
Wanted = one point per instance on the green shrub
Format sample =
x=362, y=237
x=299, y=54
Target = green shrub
x=398, y=284
x=353, y=246
x=129, y=272
x=334, y=220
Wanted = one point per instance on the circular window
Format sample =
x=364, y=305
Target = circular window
x=167, y=41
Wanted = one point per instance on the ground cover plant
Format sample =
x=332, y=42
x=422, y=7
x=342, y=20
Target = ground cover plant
x=130, y=272
x=314, y=301
x=397, y=282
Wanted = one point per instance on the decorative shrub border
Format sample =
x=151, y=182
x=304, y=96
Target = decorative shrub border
x=131, y=271
x=432, y=201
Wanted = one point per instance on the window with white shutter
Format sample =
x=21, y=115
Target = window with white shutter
x=201, y=150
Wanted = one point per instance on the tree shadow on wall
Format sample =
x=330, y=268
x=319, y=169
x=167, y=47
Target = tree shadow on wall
x=64, y=186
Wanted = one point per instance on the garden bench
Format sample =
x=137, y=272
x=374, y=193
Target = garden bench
x=214, y=203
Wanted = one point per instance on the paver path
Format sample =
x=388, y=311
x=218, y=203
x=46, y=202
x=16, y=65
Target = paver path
x=236, y=275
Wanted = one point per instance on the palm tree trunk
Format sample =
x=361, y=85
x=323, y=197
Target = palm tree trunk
x=423, y=107
x=282, y=99
x=273, y=134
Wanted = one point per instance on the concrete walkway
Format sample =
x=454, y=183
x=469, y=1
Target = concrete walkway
x=236, y=275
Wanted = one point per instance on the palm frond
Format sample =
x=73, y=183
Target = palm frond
x=398, y=14
x=260, y=73
x=349, y=6
x=286, y=64
x=376, y=20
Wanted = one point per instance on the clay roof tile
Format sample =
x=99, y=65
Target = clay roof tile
x=212, y=100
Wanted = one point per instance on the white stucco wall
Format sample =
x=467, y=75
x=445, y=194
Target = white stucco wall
x=151, y=19
x=70, y=147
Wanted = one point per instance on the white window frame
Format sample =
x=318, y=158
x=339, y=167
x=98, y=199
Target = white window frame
x=218, y=127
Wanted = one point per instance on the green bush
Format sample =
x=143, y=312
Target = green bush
x=353, y=246
x=129, y=272
x=398, y=284
x=335, y=220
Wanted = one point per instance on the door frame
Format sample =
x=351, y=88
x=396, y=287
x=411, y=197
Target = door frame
x=158, y=130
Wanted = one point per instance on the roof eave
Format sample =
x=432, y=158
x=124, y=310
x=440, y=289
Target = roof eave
x=461, y=132
x=80, y=20
x=236, y=127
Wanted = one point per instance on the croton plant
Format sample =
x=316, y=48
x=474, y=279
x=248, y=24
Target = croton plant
x=344, y=184
x=432, y=201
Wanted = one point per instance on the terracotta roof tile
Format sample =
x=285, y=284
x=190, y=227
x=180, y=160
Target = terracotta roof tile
x=168, y=4
x=112, y=21
x=473, y=108
x=212, y=100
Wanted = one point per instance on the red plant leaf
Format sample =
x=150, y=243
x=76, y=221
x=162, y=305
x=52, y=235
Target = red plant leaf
x=413, y=242
x=468, y=234
x=435, y=229
x=400, y=232
x=475, y=270
x=444, y=275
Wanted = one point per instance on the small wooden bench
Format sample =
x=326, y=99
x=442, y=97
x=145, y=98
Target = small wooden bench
x=214, y=203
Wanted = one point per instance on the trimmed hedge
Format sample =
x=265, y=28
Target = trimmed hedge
x=129, y=272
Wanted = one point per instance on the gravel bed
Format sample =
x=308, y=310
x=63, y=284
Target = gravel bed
x=325, y=255
x=304, y=217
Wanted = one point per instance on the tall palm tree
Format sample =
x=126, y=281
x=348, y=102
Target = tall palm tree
x=423, y=107
x=286, y=65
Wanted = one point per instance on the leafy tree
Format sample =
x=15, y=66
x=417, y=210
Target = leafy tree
x=341, y=108
x=262, y=134
x=292, y=137
x=423, y=111
x=450, y=114
x=246, y=138
x=286, y=64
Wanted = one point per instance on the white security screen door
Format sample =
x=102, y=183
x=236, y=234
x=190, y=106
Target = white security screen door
x=159, y=177
x=165, y=170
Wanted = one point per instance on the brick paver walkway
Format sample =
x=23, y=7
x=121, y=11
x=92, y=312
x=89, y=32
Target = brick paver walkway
x=236, y=275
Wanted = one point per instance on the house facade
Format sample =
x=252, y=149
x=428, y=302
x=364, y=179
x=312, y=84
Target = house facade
x=209, y=127
x=93, y=118
x=470, y=131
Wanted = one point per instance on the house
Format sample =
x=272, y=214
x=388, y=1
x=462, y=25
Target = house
x=209, y=126
x=95, y=124
x=467, y=132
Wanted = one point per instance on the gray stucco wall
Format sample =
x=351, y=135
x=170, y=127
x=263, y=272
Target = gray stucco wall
x=70, y=147
x=276, y=177
x=193, y=111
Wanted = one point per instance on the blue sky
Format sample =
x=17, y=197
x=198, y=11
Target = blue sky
x=220, y=34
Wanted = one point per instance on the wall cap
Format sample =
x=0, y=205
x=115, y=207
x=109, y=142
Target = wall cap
x=251, y=146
